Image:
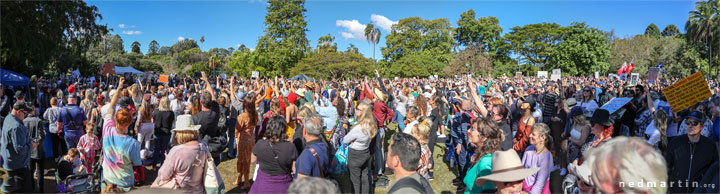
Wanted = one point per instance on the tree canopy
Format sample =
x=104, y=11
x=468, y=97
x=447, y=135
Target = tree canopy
x=284, y=42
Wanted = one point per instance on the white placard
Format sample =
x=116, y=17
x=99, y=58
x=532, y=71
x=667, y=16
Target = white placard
x=255, y=75
x=556, y=74
x=597, y=75
x=542, y=74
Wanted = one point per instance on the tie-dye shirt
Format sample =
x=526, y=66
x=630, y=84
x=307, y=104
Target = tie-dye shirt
x=120, y=154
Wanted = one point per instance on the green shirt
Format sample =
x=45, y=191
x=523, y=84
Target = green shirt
x=482, y=168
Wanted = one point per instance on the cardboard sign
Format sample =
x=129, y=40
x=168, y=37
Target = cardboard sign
x=687, y=92
x=163, y=79
x=108, y=69
x=518, y=74
x=615, y=104
x=597, y=75
x=255, y=75
x=634, y=77
x=653, y=74
x=556, y=74
x=542, y=74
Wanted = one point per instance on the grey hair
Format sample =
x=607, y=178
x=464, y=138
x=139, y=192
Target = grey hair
x=313, y=124
x=312, y=185
x=633, y=160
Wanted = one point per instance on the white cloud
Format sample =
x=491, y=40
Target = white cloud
x=131, y=32
x=126, y=26
x=180, y=38
x=238, y=45
x=122, y=25
x=382, y=21
x=354, y=29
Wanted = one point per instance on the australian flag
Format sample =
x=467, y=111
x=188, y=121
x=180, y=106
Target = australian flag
x=660, y=65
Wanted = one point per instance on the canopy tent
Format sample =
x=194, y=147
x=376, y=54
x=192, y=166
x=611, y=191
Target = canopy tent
x=10, y=78
x=128, y=69
x=301, y=77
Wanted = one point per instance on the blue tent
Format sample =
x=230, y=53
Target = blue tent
x=301, y=77
x=10, y=78
x=128, y=69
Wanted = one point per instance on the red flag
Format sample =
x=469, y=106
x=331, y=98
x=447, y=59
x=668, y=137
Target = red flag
x=622, y=69
x=632, y=66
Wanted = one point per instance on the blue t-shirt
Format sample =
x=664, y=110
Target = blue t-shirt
x=716, y=130
x=71, y=112
x=307, y=164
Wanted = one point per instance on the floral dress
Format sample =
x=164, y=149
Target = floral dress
x=87, y=146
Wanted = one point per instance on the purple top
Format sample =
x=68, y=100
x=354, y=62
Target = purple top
x=543, y=161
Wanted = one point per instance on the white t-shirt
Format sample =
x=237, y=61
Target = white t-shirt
x=589, y=107
x=671, y=130
x=409, y=126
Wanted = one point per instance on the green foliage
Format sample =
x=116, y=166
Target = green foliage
x=372, y=34
x=421, y=64
x=352, y=49
x=652, y=30
x=483, y=31
x=528, y=70
x=641, y=48
x=703, y=28
x=198, y=67
x=136, y=47
x=284, y=42
x=243, y=61
x=326, y=44
x=183, y=45
x=428, y=43
x=533, y=43
x=472, y=59
x=153, y=48
x=583, y=49
x=670, y=30
x=333, y=65
x=44, y=35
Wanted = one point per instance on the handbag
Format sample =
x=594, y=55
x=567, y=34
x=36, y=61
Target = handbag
x=339, y=161
x=213, y=181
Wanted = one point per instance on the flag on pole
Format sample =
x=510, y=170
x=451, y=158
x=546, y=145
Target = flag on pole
x=622, y=68
x=660, y=65
x=631, y=66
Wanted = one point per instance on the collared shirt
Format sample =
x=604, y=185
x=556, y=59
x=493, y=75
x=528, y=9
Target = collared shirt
x=306, y=163
x=328, y=113
x=71, y=112
x=15, y=144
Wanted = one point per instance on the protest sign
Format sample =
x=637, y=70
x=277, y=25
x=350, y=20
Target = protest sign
x=653, y=74
x=615, y=104
x=518, y=74
x=556, y=74
x=687, y=92
x=163, y=79
x=108, y=69
x=634, y=77
x=597, y=75
x=542, y=74
x=255, y=75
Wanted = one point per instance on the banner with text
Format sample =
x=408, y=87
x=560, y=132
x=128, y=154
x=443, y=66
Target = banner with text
x=556, y=74
x=687, y=92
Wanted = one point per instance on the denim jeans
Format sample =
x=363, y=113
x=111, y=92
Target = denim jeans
x=231, y=138
x=400, y=119
x=379, y=151
x=161, y=146
x=359, y=166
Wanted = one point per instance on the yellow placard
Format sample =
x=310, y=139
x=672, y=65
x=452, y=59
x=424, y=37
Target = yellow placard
x=687, y=92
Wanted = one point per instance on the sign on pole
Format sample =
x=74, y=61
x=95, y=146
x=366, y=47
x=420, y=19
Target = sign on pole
x=255, y=75
x=556, y=74
x=653, y=74
x=687, y=92
x=542, y=74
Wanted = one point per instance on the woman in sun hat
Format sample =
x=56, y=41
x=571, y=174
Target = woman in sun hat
x=507, y=172
x=184, y=167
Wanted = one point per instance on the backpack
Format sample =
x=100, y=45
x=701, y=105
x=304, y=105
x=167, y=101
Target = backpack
x=72, y=123
x=405, y=183
x=222, y=119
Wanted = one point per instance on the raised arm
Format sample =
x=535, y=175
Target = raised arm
x=208, y=87
x=478, y=102
x=114, y=100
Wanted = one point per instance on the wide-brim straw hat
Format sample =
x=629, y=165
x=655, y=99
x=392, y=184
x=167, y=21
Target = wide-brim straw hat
x=506, y=167
x=185, y=123
x=380, y=95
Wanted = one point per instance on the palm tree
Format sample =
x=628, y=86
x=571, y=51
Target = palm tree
x=202, y=40
x=372, y=34
x=701, y=27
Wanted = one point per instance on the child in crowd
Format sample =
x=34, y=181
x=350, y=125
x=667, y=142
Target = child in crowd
x=88, y=144
x=421, y=131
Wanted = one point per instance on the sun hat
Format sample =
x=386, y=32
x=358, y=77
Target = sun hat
x=380, y=95
x=300, y=92
x=185, y=123
x=571, y=102
x=506, y=167
x=602, y=117
x=427, y=87
x=309, y=85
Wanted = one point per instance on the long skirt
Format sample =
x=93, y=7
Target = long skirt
x=266, y=183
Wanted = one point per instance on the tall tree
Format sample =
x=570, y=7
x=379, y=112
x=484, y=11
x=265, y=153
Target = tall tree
x=44, y=35
x=326, y=44
x=483, y=31
x=421, y=39
x=136, y=47
x=472, y=59
x=583, y=50
x=154, y=48
x=702, y=25
x=533, y=43
x=285, y=41
x=652, y=30
x=372, y=34
x=352, y=49
x=202, y=41
x=115, y=44
x=183, y=45
x=670, y=30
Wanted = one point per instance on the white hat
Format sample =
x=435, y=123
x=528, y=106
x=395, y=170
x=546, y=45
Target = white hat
x=185, y=123
x=428, y=87
x=506, y=167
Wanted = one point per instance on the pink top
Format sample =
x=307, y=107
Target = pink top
x=185, y=164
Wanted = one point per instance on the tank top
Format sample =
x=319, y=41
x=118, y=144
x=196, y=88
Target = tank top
x=575, y=134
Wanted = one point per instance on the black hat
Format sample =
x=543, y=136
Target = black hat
x=530, y=100
x=696, y=115
x=22, y=106
x=19, y=94
x=602, y=117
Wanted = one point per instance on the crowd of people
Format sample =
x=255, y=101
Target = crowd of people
x=501, y=135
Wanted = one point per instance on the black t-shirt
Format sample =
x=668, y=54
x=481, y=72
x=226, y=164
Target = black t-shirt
x=163, y=122
x=507, y=143
x=209, y=121
x=265, y=153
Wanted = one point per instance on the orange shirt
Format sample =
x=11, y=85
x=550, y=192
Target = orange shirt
x=268, y=93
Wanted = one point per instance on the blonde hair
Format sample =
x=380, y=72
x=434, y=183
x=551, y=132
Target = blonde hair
x=544, y=130
x=186, y=135
x=580, y=119
x=628, y=159
x=88, y=94
x=421, y=131
x=164, y=104
x=661, y=125
x=366, y=119
x=309, y=106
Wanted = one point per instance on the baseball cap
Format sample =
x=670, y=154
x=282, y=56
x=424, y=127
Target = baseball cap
x=696, y=115
x=22, y=106
x=19, y=94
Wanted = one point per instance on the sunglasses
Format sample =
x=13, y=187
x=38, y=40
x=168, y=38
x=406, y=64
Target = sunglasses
x=692, y=123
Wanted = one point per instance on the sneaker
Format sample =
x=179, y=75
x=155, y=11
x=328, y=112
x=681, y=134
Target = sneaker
x=382, y=182
x=563, y=172
x=441, y=135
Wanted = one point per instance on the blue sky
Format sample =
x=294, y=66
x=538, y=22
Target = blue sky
x=231, y=23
